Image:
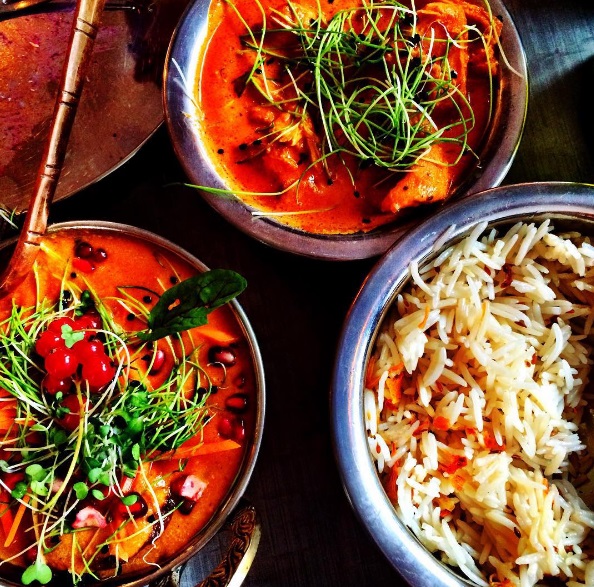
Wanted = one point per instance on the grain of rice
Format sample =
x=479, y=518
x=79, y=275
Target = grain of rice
x=493, y=335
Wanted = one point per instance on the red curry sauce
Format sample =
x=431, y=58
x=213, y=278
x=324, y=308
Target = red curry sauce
x=210, y=460
x=346, y=194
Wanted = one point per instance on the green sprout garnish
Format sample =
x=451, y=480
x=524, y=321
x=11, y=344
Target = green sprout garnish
x=369, y=80
x=124, y=424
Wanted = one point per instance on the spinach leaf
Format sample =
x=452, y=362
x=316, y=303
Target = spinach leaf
x=188, y=303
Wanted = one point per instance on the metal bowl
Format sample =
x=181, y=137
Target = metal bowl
x=182, y=70
x=233, y=510
x=570, y=206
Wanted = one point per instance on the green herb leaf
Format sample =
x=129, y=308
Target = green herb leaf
x=38, y=571
x=4, y=466
x=81, y=490
x=70, y=336
x=94, y=474
x=19, y=491
x=36, y=472
x=187, y=304
x=39, y=488
x=98, y=495
x=129, y=500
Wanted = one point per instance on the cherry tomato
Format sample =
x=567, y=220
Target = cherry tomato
x=61, y=363
x=72, y=420
x=89, y=321
x=47, y=342
x=97, y=372
x=87, y=350
x=56, y=325
x=53, y=385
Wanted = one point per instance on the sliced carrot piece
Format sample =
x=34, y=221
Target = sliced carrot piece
x=6, y=518
x=17, y=521
x=185, y=452
x=216, y=334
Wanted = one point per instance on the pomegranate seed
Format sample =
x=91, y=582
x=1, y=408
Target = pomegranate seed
x=158, y=360
x=83, y=249
x=237, y=403
x=83, y=265
x=100, y=255
x=138, y=509
x=225, y=427
x=223, y=355
x=238, y=431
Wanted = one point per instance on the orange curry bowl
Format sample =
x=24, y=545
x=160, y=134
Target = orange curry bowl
x=131, y=409
x=329, y=129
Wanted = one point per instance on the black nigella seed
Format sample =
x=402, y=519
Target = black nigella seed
x=73, y=275
x=147, y=299
x=357, y=194
x=243, y=147
x=257, y=142
x=130, y=317
x=173, y=280
x=214, y=389
x=258, y=71
x=366, y=221
x=454, y=74
x=499, y=17
x=221, y=151
x=66, y=296
x=329, y=182
x=270, y=61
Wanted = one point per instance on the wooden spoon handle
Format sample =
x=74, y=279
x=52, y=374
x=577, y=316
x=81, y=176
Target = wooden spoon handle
x=78, y=57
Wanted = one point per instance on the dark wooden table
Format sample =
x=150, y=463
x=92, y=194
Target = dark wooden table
x=311, y=537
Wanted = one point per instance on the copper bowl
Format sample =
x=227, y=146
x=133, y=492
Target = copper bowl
x=182, y=71
x=233, y=511
x=569, y=206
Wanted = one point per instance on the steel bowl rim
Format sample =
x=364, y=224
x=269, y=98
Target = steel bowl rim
x=248, y=463
x=564, y=200
x=180, y=78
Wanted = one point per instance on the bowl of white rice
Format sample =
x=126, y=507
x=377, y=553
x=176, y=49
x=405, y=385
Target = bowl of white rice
x=462, y=398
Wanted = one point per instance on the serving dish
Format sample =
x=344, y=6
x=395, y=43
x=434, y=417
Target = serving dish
x=182, y=74
x=244, y=523
x=120, y=108
x=570, y=207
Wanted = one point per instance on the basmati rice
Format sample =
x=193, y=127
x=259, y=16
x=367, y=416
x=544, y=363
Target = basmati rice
x=473, y=403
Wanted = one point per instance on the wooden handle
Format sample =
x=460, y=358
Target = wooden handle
x=80, y=47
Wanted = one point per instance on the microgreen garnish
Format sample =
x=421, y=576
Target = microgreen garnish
x=67, y=447
x=368, y=85
x=38, y=571
x=70, y=336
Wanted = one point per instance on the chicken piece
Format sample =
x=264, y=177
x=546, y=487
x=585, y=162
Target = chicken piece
x=428, y=180
x=442, y=21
